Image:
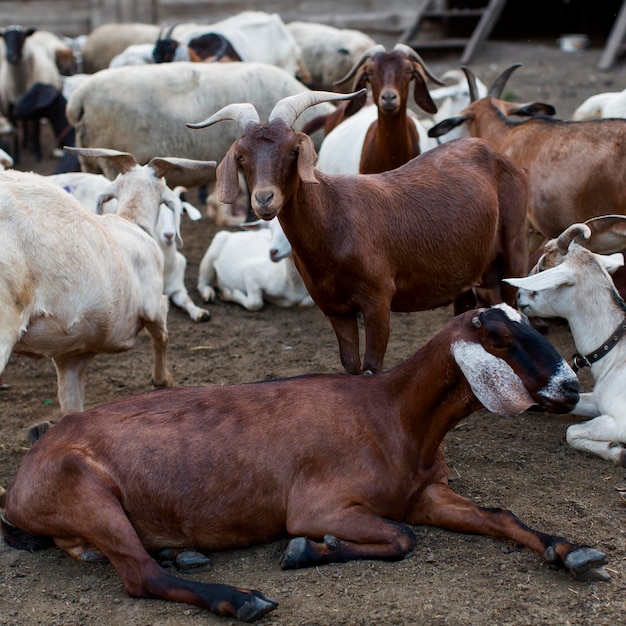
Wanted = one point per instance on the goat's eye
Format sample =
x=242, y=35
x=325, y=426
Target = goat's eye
x=295, y=152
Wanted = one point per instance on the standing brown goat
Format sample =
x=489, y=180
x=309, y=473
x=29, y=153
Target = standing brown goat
x=215, y=468
x=417, y=237
x=575, y=169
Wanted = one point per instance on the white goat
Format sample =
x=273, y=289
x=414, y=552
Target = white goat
x=572, y=282
x=602, y=105
x=79, y=284
x=86, y=188
x=251, y=267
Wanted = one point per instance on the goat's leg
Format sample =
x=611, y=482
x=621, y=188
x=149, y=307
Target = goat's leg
x=347, y=333
x=351, y=534
x=604, y=436
x=377, y=323
x=157, y=328
x=441, y=507
x=586, y=406
x=71, y=380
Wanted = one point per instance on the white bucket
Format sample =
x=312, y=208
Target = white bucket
x=573, y=43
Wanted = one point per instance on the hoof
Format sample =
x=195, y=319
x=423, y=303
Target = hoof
x=205, y=317
x=293, y=554
x=255, y=607
x=622, y=493
x=192, y=561
x=35, y=432
x=586, y=564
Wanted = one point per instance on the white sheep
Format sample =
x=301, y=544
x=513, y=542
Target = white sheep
x=572, y=282
x=251, y=267
x=328, y=52
x=86, y=188
x=602, y=105
x=78, y=284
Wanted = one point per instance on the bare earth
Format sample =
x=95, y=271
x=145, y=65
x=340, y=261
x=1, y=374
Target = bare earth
x=522, y=464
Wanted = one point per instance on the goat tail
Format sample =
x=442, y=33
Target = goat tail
x=20, y=539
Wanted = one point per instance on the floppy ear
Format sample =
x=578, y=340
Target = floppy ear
x=446, y=126
x=355, y=104
x=611, y=262
x=306, y=159
x=533, y=109
x=557, y=276
x=227, y=178
x=421, y=94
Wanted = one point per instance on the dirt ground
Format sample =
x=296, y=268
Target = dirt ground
x=522, y=464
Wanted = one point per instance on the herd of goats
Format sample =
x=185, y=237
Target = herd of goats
x=377, y=194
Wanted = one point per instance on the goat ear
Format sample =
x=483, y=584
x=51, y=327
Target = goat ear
x=192, y=212
x=355, y=105
x=227, y=178
x=306, y=159
x=557, y=276
x=533, y=109
x=102, y=199
x=421, y=94
x=446, y=126
x=611, y=262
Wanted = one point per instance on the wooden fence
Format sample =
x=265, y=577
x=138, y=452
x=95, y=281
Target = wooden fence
x=380, y=19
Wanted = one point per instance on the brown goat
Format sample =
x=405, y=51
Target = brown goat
x=417, y=237
x=215, y=468
x=575, y=169
x=393, y=139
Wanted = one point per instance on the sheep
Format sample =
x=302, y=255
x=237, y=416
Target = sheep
x=417, y=237
x=393, y=136
x=198, y=467
x=25, y=63
x=80, y=284
x=61, y=50
x=601, y=105
x=574, y=168
x=109, y=40
x=254, y=36
x=109, y=109
x=252, y=267
x=572, y=282
x=328, y=52
x=86, y=188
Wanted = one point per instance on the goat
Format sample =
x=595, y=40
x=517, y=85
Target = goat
x=572, y=282
x=601, y=105
x=252, y=267
x=417, y=237
x=86, y=188
x=82, y=284
x=393, y=139
x=574, y=168
x=197, y=467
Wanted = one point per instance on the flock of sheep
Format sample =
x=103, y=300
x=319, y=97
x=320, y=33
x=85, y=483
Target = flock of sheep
x=355, y=196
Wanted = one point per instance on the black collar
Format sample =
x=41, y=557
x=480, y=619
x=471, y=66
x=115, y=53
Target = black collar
x=589, y=359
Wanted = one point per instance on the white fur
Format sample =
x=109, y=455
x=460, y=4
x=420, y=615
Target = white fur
x=602, y=105
x=240, y=265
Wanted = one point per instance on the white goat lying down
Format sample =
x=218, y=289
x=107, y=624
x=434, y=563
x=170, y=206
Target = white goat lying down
x=252, y=267
x=86, y=188
x=572, y=282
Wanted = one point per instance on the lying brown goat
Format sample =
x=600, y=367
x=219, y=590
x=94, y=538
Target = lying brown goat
x=575, y=169
x=417, y=237
x=223, y=467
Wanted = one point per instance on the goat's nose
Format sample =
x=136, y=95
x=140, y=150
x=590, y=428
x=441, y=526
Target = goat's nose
x=169, y=238
x=264, y=198
x=274, y=254
x=389, y=99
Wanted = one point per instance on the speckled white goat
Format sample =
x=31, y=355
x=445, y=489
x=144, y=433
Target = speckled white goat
x=572, y=282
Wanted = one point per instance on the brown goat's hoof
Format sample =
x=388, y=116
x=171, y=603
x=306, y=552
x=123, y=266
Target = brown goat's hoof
x=36, y=431
x=192, y=561
x=255, y=607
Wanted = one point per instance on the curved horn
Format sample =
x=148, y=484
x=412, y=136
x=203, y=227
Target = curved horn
x=124, y=161
x=160, y=35
x=498, y=83
x=471, y=83
x=168, y=35
x=575, y=232
x=368, y=54
x=414, y=56
x=291, y=107
x=608, y=234
x=242, y=112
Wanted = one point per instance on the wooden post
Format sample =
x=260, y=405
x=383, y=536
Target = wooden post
x=615, y=40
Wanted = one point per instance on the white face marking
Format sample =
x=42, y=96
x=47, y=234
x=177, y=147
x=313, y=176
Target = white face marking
x=510, y=312
x=564, y=373
x=492, y=380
